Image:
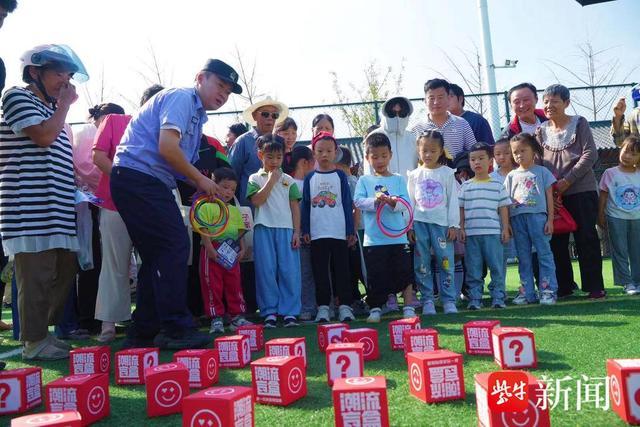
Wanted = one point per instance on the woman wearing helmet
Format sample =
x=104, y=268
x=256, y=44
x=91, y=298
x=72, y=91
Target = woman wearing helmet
x=37, y=193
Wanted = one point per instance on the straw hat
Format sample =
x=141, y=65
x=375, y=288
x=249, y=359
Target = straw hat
x=282, y=109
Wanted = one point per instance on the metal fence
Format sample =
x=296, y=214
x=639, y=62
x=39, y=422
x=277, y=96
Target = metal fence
x=592, y=102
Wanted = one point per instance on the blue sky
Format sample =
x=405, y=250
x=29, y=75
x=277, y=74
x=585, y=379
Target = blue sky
x=296, y=44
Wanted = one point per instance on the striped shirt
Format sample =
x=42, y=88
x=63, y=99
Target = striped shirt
x=458, y=135
x=480, y=201
x=37, y=188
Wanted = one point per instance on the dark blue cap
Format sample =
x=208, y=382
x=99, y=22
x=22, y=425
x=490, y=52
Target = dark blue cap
x=223, y=71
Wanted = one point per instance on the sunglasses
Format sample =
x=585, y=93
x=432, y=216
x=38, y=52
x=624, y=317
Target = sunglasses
x=266, y=114
x=401, y=114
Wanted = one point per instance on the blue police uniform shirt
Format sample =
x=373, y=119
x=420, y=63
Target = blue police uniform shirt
x=179, y=109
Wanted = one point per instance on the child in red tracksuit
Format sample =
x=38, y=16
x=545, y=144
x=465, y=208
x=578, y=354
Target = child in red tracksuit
x=219, y=262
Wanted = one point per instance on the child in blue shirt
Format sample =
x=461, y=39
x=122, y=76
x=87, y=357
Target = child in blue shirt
x=276, y=240
x=387, y=259
x=530, y=189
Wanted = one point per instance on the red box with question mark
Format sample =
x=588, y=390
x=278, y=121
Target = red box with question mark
x=535, y=414
x=436, y=376
x=90, y=360
x=287, y=347
x=330, y=333
x=344, y=360
x=477, y=337
x=366, y=336
x=86, y=393
x=166, y=385
x=131, y=363
x=624, y=388
x=234, y=351
x=514, y=348
x=278, y=380
x=397, y=329
x=255, y=334
x=360, y=401
x=20, y=390
x=202, y=365
x=49, y=419
x=419, y=340
x=219, y=406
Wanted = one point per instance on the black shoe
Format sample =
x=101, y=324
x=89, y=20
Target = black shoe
x=270, y=322
x=136, y=342
x=189, y=338
x=290, y=322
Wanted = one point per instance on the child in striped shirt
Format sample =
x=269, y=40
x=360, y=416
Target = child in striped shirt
x=484, y=227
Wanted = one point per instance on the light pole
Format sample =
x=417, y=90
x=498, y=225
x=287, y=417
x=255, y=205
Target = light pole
x=489, y=67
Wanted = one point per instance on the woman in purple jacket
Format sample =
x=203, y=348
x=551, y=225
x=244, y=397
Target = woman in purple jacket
x=570, y=154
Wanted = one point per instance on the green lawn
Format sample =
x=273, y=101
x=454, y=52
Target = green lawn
x=573, y=338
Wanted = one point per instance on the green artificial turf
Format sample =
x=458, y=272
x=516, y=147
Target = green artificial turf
x=573, y=338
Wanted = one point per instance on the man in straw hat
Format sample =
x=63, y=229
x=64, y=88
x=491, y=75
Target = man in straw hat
x=159, y=146
x=263, y=116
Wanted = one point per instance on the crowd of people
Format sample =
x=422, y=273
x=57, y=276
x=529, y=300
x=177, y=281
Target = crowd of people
x=428, y=214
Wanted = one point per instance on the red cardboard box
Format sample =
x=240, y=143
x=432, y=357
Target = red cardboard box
x=477, y=337
x=131, y=363
x=90, y=360
x=397, y=329
x=330, y=333
x=514, y=348
x=167, y=385
x=366, y=336
x=278, y=380
x=202, y=365
x=360, y=401
x=287, y=347
x=49, y=419
x=420, y=340
x=536, y=413
x=436, y=376
x=20, y=390
x=234, y=351
x=624, y=388
x=87, y=394
x=219, y=407
x=255, y=334
x=344, y=360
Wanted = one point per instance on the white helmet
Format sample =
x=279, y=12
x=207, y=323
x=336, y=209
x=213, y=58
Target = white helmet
x=56, y=55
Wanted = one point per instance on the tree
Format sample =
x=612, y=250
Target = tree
x=379, y=83
x=596, y=69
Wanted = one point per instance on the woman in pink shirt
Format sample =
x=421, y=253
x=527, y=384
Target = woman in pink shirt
x=113, y=303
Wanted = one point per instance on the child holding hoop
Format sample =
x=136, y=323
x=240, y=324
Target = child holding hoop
x=433, y=190
x=386, y=248
x=219, y=266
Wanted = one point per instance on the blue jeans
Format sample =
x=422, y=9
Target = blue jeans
x=277, y=271
x=155, y=225
x=528, y=230
x=432, y=236
x=488, y=249
x=624, y=235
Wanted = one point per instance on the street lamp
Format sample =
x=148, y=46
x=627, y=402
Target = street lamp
x=508, y=63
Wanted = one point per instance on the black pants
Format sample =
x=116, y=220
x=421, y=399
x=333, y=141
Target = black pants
x=194, y=294
x=88, y=280
x=388, y=272
x=248, y=274
x=583, y=207
x=355, y=270
x=334, y=252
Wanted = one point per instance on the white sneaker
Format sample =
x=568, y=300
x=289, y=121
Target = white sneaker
x=238, y=321
x=631, y=290
x=408, y=312
x=449, y=308
x=323, y=314
x=547, y=298
x=521, y=298
x=217, y=326
x=374, y=315
x=345, y=314
x=428, y=309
